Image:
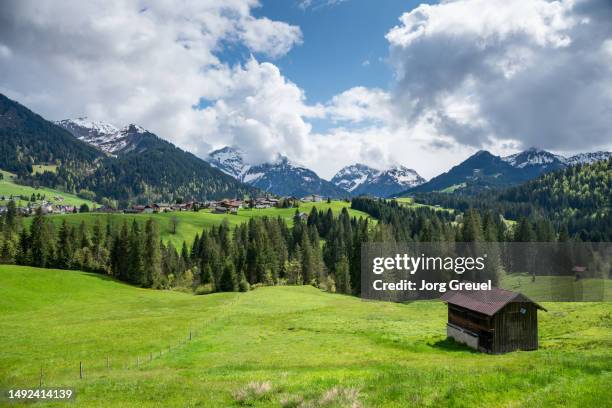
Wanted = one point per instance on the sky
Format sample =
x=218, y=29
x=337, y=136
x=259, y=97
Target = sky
x=327, y=83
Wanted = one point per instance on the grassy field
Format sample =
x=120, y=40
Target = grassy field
x=409, y=202
x=41, y=168
x=8, y=188
x=281, y=346
x=191, y=223
x=558, y=288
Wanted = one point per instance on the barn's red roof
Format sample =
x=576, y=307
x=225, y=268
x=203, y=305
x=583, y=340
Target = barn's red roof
x=487, y=302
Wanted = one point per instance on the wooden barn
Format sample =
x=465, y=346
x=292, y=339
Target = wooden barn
x=493, y=321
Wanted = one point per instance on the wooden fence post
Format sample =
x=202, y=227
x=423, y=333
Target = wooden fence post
x=81, y=370
x=137, y=362
x=41, y=378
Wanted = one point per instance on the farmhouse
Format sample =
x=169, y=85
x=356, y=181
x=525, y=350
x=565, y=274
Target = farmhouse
x=493, y=321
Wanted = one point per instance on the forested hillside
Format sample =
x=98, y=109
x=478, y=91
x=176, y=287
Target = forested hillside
x=151, y=170
x=27, y=139
x=576, y=198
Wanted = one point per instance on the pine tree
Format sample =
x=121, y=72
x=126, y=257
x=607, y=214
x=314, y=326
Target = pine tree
x=228, y=282
x=152, y=255
x=40, y=241
x=343, y=276
x=64, y=246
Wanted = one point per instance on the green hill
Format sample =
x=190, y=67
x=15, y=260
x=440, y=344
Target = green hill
x=191, y=223
x=27, y=139
x=9, y=188
x=280, y=346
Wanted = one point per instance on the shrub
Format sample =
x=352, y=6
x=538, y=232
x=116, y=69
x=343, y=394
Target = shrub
x=244, y=286
x=254, y=391
x=204, y=289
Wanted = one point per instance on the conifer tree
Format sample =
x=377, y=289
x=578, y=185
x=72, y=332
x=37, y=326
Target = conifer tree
x=152, y=255
x=228, y=282
x=343, y=277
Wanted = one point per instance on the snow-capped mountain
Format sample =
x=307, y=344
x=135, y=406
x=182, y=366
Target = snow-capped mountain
x=280, y=177
x=533, y=157
x=588, y=158
x=229, y=160
x=535, y=161
x=351, y=177
x=360, y=179
x=105, y=136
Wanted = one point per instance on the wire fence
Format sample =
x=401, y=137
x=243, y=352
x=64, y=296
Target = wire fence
x=103, y=366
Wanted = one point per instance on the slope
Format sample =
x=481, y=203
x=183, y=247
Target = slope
x=292, y=344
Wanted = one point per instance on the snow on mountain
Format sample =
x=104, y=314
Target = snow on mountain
x=403, y=176
x=588, y=158
x=105, y=136
x=281, y=176
x=534, y=157
x=361, y=179
x=351, y=177
x=230, y=161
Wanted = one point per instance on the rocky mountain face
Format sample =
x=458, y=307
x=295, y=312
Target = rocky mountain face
x=359, y=179
x=105, y=136
x=280, y=177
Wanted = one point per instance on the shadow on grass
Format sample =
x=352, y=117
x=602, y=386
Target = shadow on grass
x=450, y=344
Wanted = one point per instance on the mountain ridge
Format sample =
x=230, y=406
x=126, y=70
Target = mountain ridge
x=280, y=177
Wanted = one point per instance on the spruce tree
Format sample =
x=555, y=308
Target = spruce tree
x=228, y=282
x=152, y=255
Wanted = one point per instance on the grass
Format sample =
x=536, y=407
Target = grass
x=191, y=223
x=8, y=187
x=281, y=346
x=409, y=202
x=560, y=288
x=41, y=168
x=453, y=188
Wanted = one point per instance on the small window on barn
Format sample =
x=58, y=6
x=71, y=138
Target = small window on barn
x=523, y=310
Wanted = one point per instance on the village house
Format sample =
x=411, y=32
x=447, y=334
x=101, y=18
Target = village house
x=220, y=210
x=161, y=207
x=315, y=198
x=493, y=321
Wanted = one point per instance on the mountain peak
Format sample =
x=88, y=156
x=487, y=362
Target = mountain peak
x=362, y=179
x=229, y=160
x=133, y=128
x=104, y=136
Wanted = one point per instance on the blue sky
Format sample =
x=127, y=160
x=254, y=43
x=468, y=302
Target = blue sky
x=344, y=43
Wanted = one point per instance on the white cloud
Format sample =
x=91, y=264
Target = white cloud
x=146, y=62
x=262, y=112
x=273, y=38
x=360, y=104
x=533, y=71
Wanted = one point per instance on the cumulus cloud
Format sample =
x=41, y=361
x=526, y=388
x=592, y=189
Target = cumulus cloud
x=534, y=71
x=263, y=113
x=359, y=105
x=147, y=62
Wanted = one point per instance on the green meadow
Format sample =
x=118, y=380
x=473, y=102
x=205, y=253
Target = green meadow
x=190, y=223
x=281, y=346
x=9, y=188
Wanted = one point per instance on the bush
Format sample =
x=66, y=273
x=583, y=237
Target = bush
x=244, y=286
x=204, y=289
x=330, y=284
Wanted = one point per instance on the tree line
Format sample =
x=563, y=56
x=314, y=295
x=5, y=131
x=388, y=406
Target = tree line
x=321, y=249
